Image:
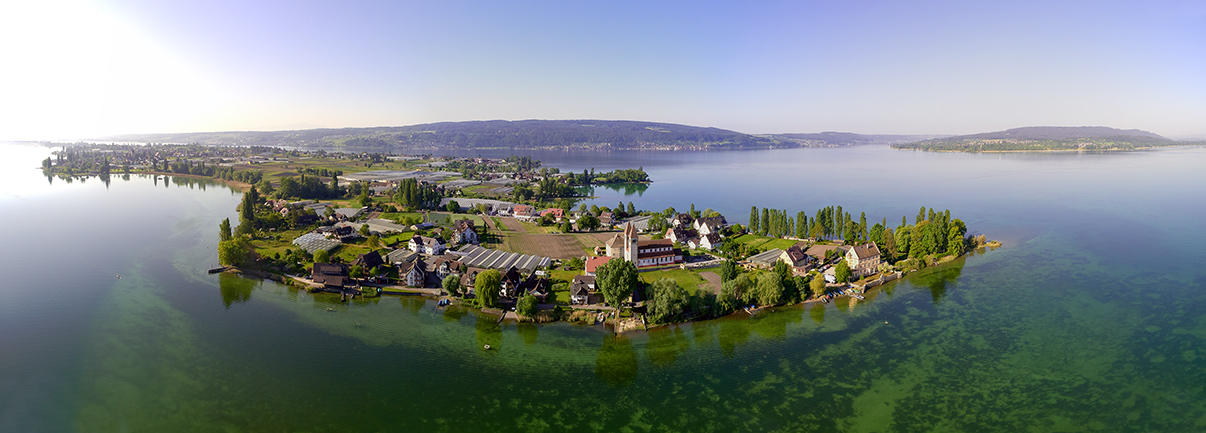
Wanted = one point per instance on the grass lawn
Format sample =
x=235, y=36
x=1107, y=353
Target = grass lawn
x=349, y=252
x=558, y=277
x=445, y=218
x=267, y=247
x=689, y=280
x=395, y=216
x=764, y=243
x=400, y=240
x=498, y=224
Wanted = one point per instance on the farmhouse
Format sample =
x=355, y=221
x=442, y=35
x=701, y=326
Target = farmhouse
x=582, y=291
x=426, y=245
x=463, y=232
x=863, y=259
x=413, y=273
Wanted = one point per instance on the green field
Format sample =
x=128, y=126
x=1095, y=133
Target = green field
x=689, y=280
x=444, y=218
x=764, y=243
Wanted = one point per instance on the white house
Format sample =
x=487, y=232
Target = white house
x=426, y=245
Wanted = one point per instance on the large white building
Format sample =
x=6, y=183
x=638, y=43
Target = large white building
x=643, y=253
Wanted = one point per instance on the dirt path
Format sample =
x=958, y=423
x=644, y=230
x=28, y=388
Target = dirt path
x=713, y=281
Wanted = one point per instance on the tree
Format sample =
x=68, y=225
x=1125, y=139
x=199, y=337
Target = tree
x=364, y=230
x=247, y=220
x=954, y=241
x=736, y=292
x=753, y=225
x=365, y=198
x=487, y=286
x=667, y=300
x=224, y=230
x=842, y=271
x=769, y=288
x=817, y=285
x=765, y=225
x=728, y=270
x=616, y=279
x=801, y=224
x=567, y=226
x=322, y=256
x=631, y=209
x=904, y=239
x=452, y=285
x=373, y=241
x=526, y=305
x=889, y=244
x=233, y=252
x=588, y=222
x=453, y=206
x=357, y=272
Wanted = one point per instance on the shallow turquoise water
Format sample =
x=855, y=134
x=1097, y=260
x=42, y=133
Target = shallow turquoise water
x=1091, y=318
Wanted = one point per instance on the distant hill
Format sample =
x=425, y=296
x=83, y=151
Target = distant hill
x=614, y=134
x=831, y=138
x=1036, y=138
x=524, y=134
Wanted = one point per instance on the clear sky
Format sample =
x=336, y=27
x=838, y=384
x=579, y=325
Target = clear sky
x=83, y=69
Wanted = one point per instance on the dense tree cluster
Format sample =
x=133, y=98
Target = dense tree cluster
x=412, y=195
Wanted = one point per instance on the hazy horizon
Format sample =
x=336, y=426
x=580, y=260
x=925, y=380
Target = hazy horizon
x=82, y=69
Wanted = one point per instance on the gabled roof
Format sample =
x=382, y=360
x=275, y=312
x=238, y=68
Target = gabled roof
x=866, y=251
x=463, y=225
x=616, y=241
x=512, y=275
x=417, y=264
x=369, y=260
x=593, y=263
x=331, y=274
x=711, y=221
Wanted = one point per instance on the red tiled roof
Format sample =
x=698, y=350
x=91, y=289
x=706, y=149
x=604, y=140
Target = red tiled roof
x=593, y=263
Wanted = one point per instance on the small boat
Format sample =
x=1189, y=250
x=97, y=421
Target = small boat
x=487, y=347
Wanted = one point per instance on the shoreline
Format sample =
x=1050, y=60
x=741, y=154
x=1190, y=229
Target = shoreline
x=311, y=287
x=1054, y=150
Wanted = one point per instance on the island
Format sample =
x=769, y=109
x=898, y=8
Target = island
x=510, y=237
x=1047, y=138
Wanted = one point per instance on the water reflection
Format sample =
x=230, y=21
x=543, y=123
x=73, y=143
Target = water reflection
x=453, y=313
x=665, y=345
x=817, y=312
x=413, y=303
x=937, y=279
x=235, y=288
x=773, y=324
x=730, y=333
x=625, y=188
x=528, y=332
x=617, y=362
x=488, y=332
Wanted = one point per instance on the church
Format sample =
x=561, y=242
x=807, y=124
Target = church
x=643, y=253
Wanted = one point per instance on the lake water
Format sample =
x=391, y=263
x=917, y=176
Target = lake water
x=1091, y=318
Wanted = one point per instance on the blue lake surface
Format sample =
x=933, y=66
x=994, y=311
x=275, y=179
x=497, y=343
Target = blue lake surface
x=1091, y=317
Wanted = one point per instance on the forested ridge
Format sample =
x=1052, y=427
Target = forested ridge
x=561, y=134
